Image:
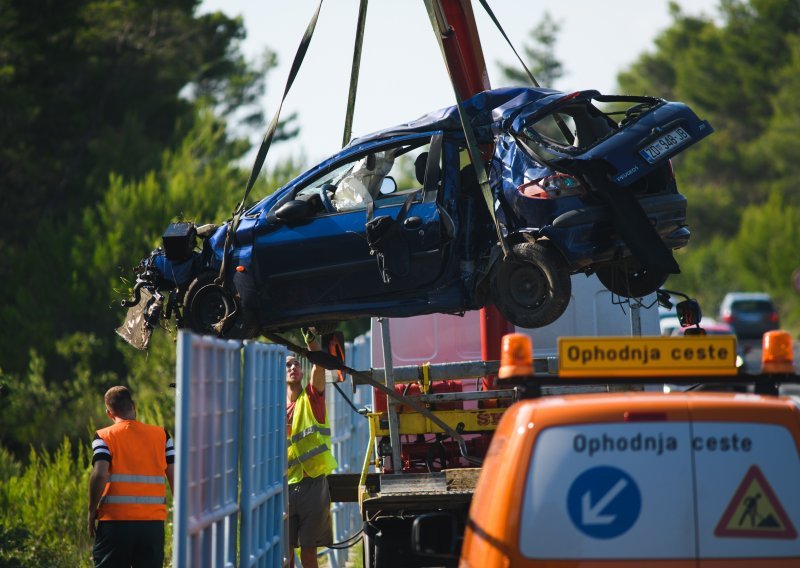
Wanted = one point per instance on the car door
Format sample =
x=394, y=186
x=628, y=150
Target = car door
x=324, y=263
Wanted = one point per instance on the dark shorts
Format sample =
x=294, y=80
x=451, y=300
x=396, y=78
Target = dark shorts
x=310, y=513
x=139, y=544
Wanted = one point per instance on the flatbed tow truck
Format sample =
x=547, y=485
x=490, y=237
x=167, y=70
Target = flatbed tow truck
x=576, y=478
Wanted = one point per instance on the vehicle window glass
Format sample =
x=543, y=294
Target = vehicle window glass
x=385, y=177
x=579, y=126
x=548, y=129
x=752, y=306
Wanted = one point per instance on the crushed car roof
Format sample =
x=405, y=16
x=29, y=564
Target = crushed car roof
x=485, y=108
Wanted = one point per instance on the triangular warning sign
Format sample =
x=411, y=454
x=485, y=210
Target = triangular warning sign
x=755, y=511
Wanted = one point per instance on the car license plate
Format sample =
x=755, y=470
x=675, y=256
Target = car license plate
x=664, y=145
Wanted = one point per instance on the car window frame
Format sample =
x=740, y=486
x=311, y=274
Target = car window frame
x=425, y=138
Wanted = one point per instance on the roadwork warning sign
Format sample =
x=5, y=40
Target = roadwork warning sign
x=755, y=511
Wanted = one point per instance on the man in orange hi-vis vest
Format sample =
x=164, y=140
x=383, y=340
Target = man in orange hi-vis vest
x=127, y=497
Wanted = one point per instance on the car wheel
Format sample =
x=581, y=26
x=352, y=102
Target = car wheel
x=206, y=304
x=629, y=279
x=369, y=552
x=533, y=288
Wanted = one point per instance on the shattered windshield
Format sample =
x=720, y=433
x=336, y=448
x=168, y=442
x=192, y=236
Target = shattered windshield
x=578, y=126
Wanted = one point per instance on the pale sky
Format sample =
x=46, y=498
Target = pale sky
x=402, y=72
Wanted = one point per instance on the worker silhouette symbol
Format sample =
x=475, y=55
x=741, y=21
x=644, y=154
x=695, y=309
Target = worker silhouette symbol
x=750, y=509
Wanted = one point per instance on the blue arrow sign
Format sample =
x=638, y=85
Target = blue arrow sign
x=604, y=502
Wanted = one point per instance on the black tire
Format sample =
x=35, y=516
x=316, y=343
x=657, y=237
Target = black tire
x=369, y=552
x=532, y=288
x=206, y=304
x=630, y=279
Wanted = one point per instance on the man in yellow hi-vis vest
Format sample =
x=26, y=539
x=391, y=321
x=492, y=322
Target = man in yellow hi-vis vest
x=310, y=459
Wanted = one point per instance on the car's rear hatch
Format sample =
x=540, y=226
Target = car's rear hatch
x=631, y=136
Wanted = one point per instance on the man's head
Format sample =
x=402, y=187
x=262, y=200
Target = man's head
x=119, y=403
x=294, y=372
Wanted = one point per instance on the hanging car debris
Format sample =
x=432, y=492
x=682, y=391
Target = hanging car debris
x=394, y=224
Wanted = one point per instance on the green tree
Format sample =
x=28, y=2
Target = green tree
x=740, y=73
x=539, y=56
x=123, y=114
x=100, y=90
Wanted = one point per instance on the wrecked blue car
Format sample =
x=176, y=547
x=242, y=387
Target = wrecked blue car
x=396, y=223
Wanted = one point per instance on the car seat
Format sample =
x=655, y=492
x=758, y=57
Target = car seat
x=588, y=129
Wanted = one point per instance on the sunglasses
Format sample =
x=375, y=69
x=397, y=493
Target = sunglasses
x=292, y=363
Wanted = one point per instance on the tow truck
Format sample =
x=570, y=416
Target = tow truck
x=691, y=477
x=695, y=478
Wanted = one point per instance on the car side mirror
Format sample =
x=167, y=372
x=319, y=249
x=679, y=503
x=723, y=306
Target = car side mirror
x=689, y=312
x=294, y=211
x=388, y=185
x=435, y=535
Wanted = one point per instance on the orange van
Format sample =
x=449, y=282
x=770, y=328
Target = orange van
x=671, y=480
x=684, y=479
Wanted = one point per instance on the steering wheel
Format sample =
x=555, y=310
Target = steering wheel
x=325, y=192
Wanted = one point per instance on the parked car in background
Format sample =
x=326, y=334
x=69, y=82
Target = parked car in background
x=711, y=327
x=669, y=325
x=668, y=319
x=750, y=314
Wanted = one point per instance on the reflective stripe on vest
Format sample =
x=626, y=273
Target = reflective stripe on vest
x=310, y=430
x=126, y=478
x=133, y=499
x=308, y=455
x=309, y=447
x=135, y=489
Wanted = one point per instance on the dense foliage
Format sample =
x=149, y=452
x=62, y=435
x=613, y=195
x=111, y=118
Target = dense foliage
x=740, y=71
x=117, y=118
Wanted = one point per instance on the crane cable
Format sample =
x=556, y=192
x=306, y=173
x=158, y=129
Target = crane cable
x=266, y=142
x=351, y=96
x=443, y=30
x=562, y=126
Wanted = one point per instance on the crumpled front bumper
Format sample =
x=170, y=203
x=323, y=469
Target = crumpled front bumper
x=141, y=319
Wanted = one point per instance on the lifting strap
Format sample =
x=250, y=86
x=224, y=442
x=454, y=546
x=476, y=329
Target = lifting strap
x=489, y=11
x=559, y=121
x=328, y=361
x=441, y=30
x=351, y=96
x=267, y=141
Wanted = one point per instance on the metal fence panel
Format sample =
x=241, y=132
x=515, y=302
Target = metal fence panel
x=207, y=437
x=263, y=456
x=230, y=421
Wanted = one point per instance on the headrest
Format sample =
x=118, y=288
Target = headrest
x=469, y=179
x=420, y=165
